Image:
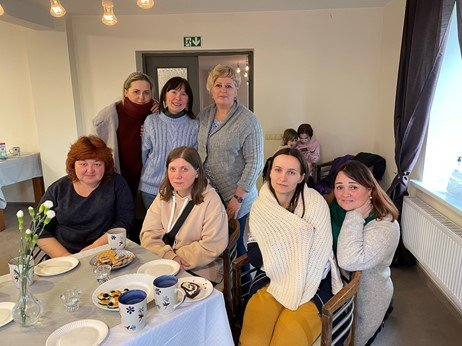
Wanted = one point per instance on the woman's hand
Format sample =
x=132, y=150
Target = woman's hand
x=181, y=261
x=155, y=106
x=233, y=208
x=365, y=209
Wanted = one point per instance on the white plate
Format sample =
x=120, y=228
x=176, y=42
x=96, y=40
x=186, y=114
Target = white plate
x=56, y=266
x=83, y=332
x=6, y=313
x=205, y=285
x=130, y=281
x=160, y=267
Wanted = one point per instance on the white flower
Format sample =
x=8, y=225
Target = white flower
x=50, y=214
x=28, y=231
x=19, y=214
x=48, y=204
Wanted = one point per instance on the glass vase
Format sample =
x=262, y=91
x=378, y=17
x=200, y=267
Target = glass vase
x=28, y=309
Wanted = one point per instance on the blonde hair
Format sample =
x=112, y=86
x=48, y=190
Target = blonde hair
x=133, y=77
x=223, y=71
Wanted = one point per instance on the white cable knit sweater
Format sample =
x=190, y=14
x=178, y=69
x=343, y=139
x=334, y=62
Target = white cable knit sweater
x=295, y=250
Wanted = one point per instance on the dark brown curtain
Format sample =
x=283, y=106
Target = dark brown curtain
x=423, y=43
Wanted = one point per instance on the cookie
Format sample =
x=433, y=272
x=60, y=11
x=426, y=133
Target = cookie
x=113, y=303
x=103, y=295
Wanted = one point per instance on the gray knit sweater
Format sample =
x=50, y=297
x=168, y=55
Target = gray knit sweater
x=370, y=249
x=234, y=152
x=161, y=135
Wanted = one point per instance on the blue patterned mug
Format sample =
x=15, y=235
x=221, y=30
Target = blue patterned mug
x=133, y=308
x=166, y=293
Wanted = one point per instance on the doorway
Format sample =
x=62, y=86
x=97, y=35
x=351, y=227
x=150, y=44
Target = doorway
x=195, y=67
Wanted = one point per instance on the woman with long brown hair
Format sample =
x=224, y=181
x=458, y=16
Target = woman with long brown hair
x=366, y=235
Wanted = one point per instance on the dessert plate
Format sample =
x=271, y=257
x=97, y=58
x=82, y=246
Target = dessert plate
x=127, y=255
x=83, y=332
x=160, y=267
x=129, y=281
x=6, y=313
x=205, y=285
x=55, y=266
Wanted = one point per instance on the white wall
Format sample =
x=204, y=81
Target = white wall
x=335, y=69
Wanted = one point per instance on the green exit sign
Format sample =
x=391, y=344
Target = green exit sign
x=192, y=41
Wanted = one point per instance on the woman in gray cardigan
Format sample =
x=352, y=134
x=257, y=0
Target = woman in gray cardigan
x=230, y=144
x=364, y=222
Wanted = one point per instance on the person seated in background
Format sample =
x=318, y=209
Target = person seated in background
x=90, y=200
x=310, y=149
x=196, y=241
x=291, y=238
x=289, y=139
x=366, y=235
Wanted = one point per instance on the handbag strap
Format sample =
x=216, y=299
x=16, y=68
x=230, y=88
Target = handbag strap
x=181, y=219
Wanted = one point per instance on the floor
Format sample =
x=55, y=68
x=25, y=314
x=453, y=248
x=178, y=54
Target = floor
x=421, y=314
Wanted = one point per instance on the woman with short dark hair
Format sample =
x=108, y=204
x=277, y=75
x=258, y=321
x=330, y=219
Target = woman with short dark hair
x=90, y=200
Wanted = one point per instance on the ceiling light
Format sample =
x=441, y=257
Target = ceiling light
x=56, y=9
x=109, y=17
x=247, y=67
x=145, y=4
x=246, y=75
x=238, y=69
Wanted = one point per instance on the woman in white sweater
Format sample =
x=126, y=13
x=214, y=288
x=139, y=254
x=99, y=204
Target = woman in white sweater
x=364, y=221
x=290, y=224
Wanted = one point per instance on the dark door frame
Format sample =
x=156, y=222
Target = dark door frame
x=142, y=55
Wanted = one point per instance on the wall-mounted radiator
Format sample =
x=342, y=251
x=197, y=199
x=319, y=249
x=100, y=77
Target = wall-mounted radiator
x=436, y=242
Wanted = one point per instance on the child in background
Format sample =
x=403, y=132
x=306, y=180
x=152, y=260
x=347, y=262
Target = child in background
x=309, y=147
x=289, y=139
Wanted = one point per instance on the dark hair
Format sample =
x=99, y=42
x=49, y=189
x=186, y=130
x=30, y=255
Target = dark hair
x=192, y=157
x=289, y=135
x=305, y=129
x=381, y=203
x=89, y=148
x=303, y=171
x=176, y=83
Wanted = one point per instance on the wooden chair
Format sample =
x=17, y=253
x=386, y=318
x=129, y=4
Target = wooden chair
x=342, y=309
x=322, y=170
x=340, y=306
x=228, y=256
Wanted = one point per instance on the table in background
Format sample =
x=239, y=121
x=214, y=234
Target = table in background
x=19, y=168
x=201, y=323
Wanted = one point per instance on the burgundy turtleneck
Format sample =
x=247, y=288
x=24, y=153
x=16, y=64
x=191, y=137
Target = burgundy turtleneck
x=131, y=118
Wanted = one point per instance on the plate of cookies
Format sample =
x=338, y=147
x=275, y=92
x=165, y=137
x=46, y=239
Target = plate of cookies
x=115, y=258
x=106, y=296
x=195, y=287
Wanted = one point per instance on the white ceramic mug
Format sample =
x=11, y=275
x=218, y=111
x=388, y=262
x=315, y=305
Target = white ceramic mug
x=117, y=238
x=15, y=270
x=166, y=293
x=133, y=308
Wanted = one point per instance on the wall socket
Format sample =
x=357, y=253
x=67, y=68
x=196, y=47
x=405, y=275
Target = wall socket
x=273, y=136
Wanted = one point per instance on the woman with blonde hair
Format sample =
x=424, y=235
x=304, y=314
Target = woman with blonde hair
x=120, y=123
x=230, y=144
x=366, y=235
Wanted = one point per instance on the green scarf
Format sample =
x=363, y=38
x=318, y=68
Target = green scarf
x=337, y=215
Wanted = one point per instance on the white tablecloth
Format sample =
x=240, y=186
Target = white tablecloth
x=201, y=323
x=16, y=169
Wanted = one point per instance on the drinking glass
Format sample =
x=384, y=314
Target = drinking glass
x=102, y=272
x=71, y=299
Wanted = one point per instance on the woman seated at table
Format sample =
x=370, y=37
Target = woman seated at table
x=90, y=200
x=204, y=234
x=364, y=222
x=291, y=231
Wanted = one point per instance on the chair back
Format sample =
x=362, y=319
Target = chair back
x=39, y=255
x=340, y=311
x=228, y=256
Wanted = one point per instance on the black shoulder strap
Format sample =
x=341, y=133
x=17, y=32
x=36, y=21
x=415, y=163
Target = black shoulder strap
x=169, y=238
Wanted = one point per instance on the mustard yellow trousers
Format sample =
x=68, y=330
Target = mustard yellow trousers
x=267, y=322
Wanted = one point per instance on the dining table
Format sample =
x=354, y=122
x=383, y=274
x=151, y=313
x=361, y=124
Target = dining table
x=201, y=322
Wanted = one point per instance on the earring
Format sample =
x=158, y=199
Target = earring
x=370, y=197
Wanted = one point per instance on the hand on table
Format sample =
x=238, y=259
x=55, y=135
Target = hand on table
x=181, y=261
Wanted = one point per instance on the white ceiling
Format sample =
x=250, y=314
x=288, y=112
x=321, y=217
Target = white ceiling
x=93, y=7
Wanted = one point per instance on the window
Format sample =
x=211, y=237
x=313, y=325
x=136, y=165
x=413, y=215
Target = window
x=444, y=139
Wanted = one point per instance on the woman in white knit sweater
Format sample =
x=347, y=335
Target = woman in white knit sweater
x=364, y=221
x=290, y=224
